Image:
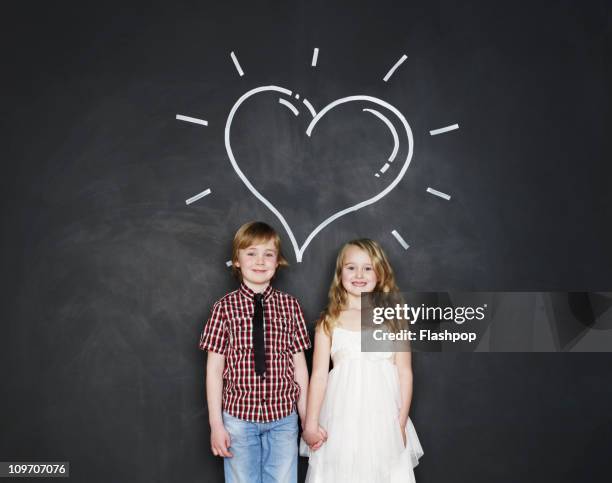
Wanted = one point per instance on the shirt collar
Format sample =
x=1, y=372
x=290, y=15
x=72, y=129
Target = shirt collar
x=248, y=293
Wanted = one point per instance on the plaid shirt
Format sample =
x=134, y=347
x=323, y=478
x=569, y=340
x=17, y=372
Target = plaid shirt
x=229, y=332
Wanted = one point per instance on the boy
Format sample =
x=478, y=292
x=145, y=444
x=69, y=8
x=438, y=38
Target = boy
x=256, y=370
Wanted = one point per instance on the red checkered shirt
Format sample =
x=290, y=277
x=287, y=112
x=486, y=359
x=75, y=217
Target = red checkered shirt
x=229, y=332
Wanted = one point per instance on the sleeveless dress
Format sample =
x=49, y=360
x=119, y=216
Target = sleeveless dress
x=360, y=414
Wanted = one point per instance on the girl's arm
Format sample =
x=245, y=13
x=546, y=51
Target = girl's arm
x=404, y=368
x=219, y=437
x=301, y=377
x=318, y=384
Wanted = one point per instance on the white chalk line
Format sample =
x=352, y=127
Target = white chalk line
x=307, y=103
x=237, y=64
x=293, y=109
x=384, y=168
x=444, y=129
x=315, y=57
x=380, y=195
x=399, y=238
x=198, y=196
x=397, y=64
x=194, y=120
x=299, y=250
x=389, y=124
x=438, y=193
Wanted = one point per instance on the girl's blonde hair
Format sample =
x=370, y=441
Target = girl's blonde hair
x=337, y=295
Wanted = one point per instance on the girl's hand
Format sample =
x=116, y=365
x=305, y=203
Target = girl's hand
x=323, y=439
x=220, y=441
x=403, y=431
x=316, y=446
x=314, y=437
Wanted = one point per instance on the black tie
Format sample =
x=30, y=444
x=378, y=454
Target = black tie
x=259, y=347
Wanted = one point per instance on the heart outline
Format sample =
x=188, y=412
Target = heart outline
x=299, y=251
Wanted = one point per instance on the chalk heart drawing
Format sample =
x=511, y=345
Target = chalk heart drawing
x=299, y=250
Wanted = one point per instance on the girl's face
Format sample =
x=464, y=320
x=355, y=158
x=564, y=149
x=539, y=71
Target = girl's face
x=358, y=274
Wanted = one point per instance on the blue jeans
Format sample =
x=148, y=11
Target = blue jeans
x=263, y=452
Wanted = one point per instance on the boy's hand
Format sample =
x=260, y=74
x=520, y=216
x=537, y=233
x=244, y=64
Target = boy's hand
x=314, y=437
x=220, y=441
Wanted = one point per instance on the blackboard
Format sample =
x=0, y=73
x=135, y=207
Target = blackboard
x=109, y=275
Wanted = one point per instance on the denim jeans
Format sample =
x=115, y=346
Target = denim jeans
x=263, y=452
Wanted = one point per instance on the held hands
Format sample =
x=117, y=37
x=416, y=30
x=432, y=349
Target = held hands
x=220, y=441
x=314, y=437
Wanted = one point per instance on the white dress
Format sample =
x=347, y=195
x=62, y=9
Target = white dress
x=360, y=414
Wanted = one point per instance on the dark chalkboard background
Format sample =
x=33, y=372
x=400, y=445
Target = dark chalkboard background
x=108, y=276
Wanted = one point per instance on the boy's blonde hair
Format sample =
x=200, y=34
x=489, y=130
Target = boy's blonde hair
x=337, y=293
x=254, y=233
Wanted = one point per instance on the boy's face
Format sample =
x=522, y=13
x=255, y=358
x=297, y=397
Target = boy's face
x=258, y=264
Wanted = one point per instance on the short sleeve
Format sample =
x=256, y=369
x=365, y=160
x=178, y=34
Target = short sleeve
x=213, y=336
x=301, y=341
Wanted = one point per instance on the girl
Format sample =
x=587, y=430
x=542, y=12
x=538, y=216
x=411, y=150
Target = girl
x=357, y=426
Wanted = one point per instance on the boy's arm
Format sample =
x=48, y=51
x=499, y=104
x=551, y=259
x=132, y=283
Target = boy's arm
x=301, y=377
x=214, y=340
x=214, y=387
x=300, y=343
x=219, y=437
